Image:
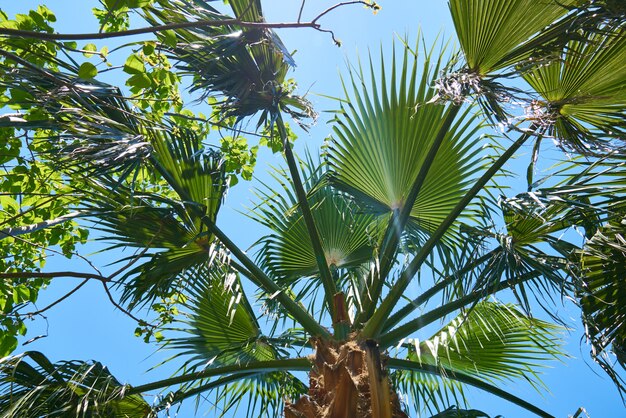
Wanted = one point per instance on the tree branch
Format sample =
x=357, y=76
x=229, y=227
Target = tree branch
x=152, y=29
x=27, y=229
x=52, y=275
x=59, y=300
x=303, y=364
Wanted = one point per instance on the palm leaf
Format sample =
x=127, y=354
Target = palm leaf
x=245, y=66
x=492, y=342
x=492, y=33
x=32, y=386
x=602, y=296
x=221, y=329
x=428, y=393
x=383, y=132
x=346, y=234
x=454, y=412
x=584, y=100
x=89, y=123
x=153, y=221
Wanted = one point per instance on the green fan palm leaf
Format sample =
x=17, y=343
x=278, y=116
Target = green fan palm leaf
x=347, y=234
x=221, y=328
x=32, y=386
x=602, y=296
x=583, y=94
x=492, y=33
x=490, y=343
x=381, y=139
x=244, y=66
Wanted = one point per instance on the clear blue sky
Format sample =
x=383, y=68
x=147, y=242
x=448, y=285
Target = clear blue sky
x=88, y=327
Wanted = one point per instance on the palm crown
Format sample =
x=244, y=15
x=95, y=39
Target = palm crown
x=404, y=188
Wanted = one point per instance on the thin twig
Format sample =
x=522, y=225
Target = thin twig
x=153, y=29
x=182, y=25
x=61, y=299
x=124, y=311
x=301, y=10
x=336, y=6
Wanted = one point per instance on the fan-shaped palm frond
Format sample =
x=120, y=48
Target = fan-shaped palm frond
x=583, y=95
x=493, y=33
x=454, y=412
x=32, y=386
x=221, y=329
x=490, y=342
x=493, y=342
x=382, y=135
x=603, y=296
x=347, y=235
x=88, y=122
x=245, y=66
x=149, y=221
x=428, y=393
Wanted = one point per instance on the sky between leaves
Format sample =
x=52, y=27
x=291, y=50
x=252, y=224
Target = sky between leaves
x=87, y=327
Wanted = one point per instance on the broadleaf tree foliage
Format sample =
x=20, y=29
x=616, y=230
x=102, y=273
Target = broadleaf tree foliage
x=408, y=189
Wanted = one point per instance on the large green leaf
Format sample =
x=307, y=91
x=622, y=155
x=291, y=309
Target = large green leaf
x=32, y=386
x=221, y=327
x=347, y=234
x=492, y=342
x=583, y=96
x=383, y=132
x=246, y=66
x=492, y=33
x=603, y=296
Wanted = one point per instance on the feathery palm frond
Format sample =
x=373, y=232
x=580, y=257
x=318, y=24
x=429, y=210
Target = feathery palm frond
x=32, y=386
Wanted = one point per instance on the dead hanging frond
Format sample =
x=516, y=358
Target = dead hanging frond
x=541, y=114
x=111, y=154
x=456, y=87
x=464, y=86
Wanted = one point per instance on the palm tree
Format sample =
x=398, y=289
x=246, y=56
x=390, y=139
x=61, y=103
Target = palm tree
x=403, y=193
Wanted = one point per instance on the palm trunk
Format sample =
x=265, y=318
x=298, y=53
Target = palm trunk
x=348, y=380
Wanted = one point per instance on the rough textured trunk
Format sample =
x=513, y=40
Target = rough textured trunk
x=348, y=380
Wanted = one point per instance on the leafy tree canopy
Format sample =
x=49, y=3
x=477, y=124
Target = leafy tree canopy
x=410, y=188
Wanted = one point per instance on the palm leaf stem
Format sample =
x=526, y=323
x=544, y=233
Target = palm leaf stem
x=399, y=219
x=301, y=363
x=392, y=337
x=263, y=281
x=375, y=324
x=330, y=289
x=424, y=297
x=401, y=364
x=180, y=396
x=257, y=276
